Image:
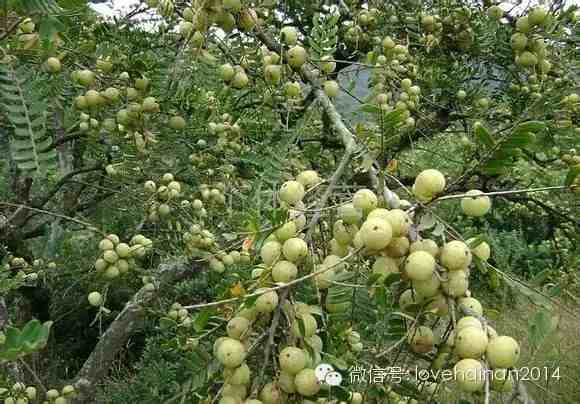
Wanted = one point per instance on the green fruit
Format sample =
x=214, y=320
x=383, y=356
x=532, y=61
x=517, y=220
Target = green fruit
x=289, y=35
x=455, y=255
x=177, y=123
x=503, y=352
x=237, y=327
x=284, y=272
x=95, y=299
x=267, y=302
x=350, y=214
x=527, y=59
x=331, y=88
x=271, y=394
x=307, y=383
x=273, y=74
x=86, y=77
x=456, y=284
x=376, y=234
x=429, y=183
x=292, y=360
x=291, y=192
x=472, y=304
x=295, y=249
x=54, y=65
x=475, y=205
x=470, y=342
x=308, y=322
x=227, y=72
x=231, y=353
x=420, y=266
x=296, y=56
x=426, y=245
x=537, y=16
x=469, y=375
x=481, y=251
x=399, y=221
x=365, y=199
x=427, y=288
x=519, y=41
x=270, y=252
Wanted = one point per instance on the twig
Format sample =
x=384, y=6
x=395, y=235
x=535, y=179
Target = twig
x=499, y=193
x=34, y=375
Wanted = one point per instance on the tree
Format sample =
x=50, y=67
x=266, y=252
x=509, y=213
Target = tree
x=201, y=181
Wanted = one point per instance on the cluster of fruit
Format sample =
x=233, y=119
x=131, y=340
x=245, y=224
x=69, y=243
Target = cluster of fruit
x=528, y=44
x=162, y=196
x=22, y=394
x=357, y=33
x=118, y=258
x=27, y=271
x=228, y=135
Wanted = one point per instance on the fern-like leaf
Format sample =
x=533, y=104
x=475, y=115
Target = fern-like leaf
x=30, y=140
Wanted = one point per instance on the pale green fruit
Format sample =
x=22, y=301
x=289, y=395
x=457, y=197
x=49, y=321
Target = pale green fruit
x=468, y=321
x=112, y=272
x=379, y=213
x=338, y=249
x=376, y=234
x=53, y=64
x=350, y=214
x=292, y=360
x=398, y=247
x=420, y=266
x=456, y=284
x=421, y=339
x=232, y=5
x=356, y=398
x=110, y=256
x=324, y=280
x=400, y=222
x=307, y=383
x=470, y=342
x=331, y=88
x=86, y=77
x=230, y=400
x=469, y=375
x=123, y=250
x=58, y=400
x=472, y=304
x=365, y=199
x=240, y=80
x=308, y=178
x=429, y=182
x=52, y=394
x=293, y=89
x=537, y=16
x=227, y=72
x=106, y=244
x=336, y=263
x=315, y=342
x=455, y=255
x=327, y=65
x=384, y=266
x=289, y=35
x=426, y=245
x=273, y=74
x=31, y=392
x=519, y=41
x=231, y=353
x=291, y=192
x=101, y=265
x=461, y=95
x=95, y=299
x=295, y=249
x=267, y=302
x=284, y=271
x=474, y=205
x=491, y=332
x=240, y=375
x=309, y=323
x=235, y=390
x=297, y=56
x=270, y=252
x=286, y=382
x=288, y=230
x=427, y=288
x=503, y=352
x=481, y=250
x=271, y=394
x=409, y=298
x=237, y=327
x=502, y=381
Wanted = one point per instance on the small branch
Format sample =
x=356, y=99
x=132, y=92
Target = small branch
x=34, y=375
x=500, y=193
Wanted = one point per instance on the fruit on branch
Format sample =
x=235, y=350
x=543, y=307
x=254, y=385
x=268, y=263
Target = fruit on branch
x=428, y=184
x=289, y=35
x=427, y=288
x=376, y=234
x=502, y=381
x=53, y=64
x=350, y=214
x=267, y=302
x=470, y=342
x=296, y=56
x=471, y=304
x=291, y=192
x=308, y=178
x=456, y=284
x=469, y=375
x=308, y=323
x=295, y=249
x=399, y=221
x=331, y=88
x=481, y=250
x=95, y=299
x=474, y=205
x=420, y=266
x=270, y=252
x=365, y=199
x=284, y=272
x=292, y=360
x=227, y=72
x=237, y=328
x=231, y=353
x=327, y=64
x=426, y=245
x=307, y=383
x=455, y=255
x=503, y=352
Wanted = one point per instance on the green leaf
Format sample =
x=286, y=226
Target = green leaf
x=530, y=126
x=50, y=26
x=201, y=320
x=573, y=173
x=483, y=135
x=520, y=139
x=370, y=109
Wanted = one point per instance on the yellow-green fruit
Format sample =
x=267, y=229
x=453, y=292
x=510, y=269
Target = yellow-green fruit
x=292, y=360
x=216, y=265
x=537, y=16
x=233, y=6
x=378, y=213
x=297, y=56
x=400, y=222
x=110, y=256
x=503, y=352
x=308, y=178
x=273, y=74
x=365, y=199
x=247, y=19
x=495, y=12
x=238, y=376
x=286, y=382
x=240, y=80
x=470, y=342
x=426, y=245
x=338, y=249
x=376, y=234
x=327, y=65
x=502, y=381
x=523, y=24
x=455, y=255
x=519, y=41
x=295, y=249
x=468, y=321
x=398, y=247
x=456, y=284
x=308, y=322
x=475, y=205
x=231, y=353
x=284, y=271
x=343, y=233
x=429, y=183
x=331, y=88
x=267, y=302
x=421, y=339
x=271, y=394
x=291, y=192
x=54, y=65
x=289, y=35
x=293, y=89
x=95, y=299
x=350, y=214
x=227, y=72
x=427, y=288
x=106, y=244
x=288, y=230
x=270, y=252
x=409, y=298
x=384, y=266
x=324, y=280
x=469, y=375
x=307, y=383
x=237, y=327
x=420, y=266
x=177, y=123
x=481, y=250
x=86, y=78
x=229, y=399
x=472, y=304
